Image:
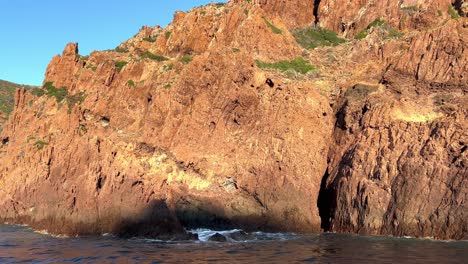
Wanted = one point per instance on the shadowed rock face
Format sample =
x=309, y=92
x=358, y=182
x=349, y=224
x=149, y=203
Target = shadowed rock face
x=180, y=127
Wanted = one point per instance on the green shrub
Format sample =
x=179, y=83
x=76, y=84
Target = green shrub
x=439, y=13
x=310, y=37
x=40, y=144
x=37, y=92
x=410, y=9
x=378, y=22
x=59, y=93
x=186, y=59
x=168, y=67
x=130, y=83
x=120, y=50
x=75, y=99
x=6, y=105
x=274, y=29
x=453, y=12
x=168, y=34
x=7, y=98
x=393, y=33
x=361, y=35
x=235, y=50
x=152, y=56
x=298, y=64
x=120, y=64
x=149, y=39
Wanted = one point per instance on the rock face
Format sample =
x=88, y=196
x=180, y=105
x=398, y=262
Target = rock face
x=439, y=56
x=7, y=99
x=394, y=177
x=293, y=13
x=185, y=127
x=350, y=17
x=399, y=161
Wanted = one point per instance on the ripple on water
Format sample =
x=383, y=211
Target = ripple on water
x=20, y=244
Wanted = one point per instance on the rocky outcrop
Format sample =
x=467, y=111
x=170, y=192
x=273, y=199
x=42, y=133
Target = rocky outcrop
x=398, y=165
x=7, y=99
x=62, y=69
x=196, y=138
x=350, y=17
x=293, y=13
x=189, y=126
x=439, y=56
x=399, y=168
x=212, y=27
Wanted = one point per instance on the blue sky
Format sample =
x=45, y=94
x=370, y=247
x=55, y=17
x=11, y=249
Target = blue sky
x=33, y=31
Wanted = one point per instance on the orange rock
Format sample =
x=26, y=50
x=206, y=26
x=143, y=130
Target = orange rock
x=179, y=127
x=438, y=56
x=349, y=18
x=294, y=13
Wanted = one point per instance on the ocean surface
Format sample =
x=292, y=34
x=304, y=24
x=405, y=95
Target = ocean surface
x=23, y=245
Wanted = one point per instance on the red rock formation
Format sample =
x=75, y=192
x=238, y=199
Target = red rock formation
x=294, y=13
x=398, y=165
x=350, y=17
x=397, y=169
x=439, y=56
x=62, y=69
x=179, y=127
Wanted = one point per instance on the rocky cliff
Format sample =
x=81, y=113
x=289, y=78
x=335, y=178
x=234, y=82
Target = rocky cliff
x=247, y=114
x=7, y=99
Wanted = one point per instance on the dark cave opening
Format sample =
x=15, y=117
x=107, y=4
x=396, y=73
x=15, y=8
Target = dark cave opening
x=457, y=4
x=5, y=141
x=316, y=8
x=324, y=203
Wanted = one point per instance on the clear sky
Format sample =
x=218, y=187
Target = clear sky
x=33, y=31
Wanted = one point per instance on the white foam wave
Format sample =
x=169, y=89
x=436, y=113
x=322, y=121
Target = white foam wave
x=205, y=234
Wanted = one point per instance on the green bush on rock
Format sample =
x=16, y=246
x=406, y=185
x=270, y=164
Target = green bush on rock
x=298, y=64
x=311, y=37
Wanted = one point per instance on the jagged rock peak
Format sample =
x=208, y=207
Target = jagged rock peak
x=70, y=50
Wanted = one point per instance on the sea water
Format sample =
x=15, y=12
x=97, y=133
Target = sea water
x=22, y=245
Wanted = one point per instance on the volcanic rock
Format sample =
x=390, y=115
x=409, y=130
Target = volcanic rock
x=223, y=120
x=350, y=17
x=217, y=238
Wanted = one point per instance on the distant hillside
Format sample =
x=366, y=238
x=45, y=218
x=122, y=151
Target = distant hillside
x=7, y=94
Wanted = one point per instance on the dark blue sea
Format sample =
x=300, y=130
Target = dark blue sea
x=22, y=245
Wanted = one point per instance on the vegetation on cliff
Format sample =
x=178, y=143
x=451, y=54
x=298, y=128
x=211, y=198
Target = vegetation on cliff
x=7, y=99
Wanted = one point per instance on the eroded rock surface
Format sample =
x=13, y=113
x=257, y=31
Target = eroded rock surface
x=350, y=17
x=186, y=127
